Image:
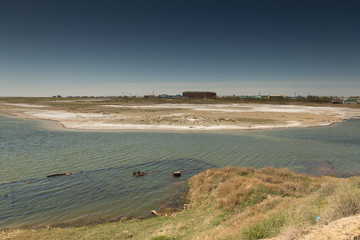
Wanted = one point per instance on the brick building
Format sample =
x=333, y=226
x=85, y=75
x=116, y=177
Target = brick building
x=199, y=94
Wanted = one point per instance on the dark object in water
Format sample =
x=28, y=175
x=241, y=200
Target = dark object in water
x=137, y=174
x=176, y=174
x=61, y=174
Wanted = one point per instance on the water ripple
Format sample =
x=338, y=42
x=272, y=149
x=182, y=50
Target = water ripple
x=108, y=190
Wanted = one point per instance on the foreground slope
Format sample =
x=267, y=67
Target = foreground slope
x=233, y=203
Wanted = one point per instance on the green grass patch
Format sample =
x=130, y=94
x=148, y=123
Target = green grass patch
x=255, y=197
x=219, y=219
x=267, y=228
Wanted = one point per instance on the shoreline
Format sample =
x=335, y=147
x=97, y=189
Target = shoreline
x=181, y=117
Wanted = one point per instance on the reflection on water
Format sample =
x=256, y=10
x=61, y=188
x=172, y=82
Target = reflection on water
x=28, y=153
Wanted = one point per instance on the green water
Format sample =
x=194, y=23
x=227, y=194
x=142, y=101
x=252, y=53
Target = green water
x=107, y=190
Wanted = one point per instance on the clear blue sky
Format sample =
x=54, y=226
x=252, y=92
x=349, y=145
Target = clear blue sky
x=231, y=47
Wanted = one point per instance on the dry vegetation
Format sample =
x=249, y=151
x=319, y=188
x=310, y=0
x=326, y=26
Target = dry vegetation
x=268, y=202
x=233, y=203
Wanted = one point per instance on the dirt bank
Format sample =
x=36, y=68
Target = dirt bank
x=342, y=229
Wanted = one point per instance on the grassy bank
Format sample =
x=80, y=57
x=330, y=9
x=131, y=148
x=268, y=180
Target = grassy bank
x=232, y=203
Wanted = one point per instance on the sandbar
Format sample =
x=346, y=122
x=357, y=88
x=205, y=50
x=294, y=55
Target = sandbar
x=182, y=117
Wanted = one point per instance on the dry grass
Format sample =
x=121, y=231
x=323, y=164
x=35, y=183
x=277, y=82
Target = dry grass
x=335, y=199
x=268, y=201
x=231, y=188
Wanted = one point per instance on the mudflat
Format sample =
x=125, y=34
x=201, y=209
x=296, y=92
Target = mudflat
x=107, y=115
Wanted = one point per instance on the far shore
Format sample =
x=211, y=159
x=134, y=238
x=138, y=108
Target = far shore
x=178, y=117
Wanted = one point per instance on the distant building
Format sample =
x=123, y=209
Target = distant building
x=351, y=101
x=164, y=96
x=278, y=96
x=199, y=94
x=149, y=96
x=356, y=97
x=252, y=97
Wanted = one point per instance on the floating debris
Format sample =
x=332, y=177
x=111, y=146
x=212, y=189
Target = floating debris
x=61, y=174
x=138, y=174
x=176, y=174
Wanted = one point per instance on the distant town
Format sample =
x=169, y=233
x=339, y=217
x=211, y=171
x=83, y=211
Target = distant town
x=213, y=95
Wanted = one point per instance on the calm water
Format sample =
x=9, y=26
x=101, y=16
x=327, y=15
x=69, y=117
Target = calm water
x=107, y=190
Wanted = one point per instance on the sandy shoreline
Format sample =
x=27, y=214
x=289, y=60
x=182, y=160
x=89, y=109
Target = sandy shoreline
x=183, y=117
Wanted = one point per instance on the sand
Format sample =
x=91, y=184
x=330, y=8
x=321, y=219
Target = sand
x=183, y=117
x=347, y=228
x=342, y=229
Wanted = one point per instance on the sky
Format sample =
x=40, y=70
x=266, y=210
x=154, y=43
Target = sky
x=137, y=47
